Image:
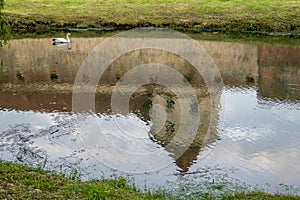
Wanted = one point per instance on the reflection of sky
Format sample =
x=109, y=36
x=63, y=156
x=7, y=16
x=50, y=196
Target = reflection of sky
x=36, y=119
x=261, y=139
x=100, y=146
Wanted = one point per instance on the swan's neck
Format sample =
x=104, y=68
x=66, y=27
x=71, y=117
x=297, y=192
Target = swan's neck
x=68, y=39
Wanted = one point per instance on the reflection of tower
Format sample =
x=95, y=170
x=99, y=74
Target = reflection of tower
x=167, y=116
x=163, y=131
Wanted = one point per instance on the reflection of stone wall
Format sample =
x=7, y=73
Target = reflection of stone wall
x=47, y=101
x=235, y=61
x=36, y=60
x=146, y=56
x=279, y=72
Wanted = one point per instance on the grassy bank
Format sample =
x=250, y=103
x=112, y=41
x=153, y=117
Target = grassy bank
x=200, y=15
x=21, y=182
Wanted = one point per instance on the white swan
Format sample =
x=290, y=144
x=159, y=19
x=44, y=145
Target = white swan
x=62, y=40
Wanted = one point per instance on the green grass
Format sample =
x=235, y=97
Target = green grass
x=260, y=196
x=23, y=182
x=233, y=20
x=220, y=15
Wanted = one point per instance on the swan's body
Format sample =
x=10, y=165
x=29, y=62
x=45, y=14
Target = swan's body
x=62, y=40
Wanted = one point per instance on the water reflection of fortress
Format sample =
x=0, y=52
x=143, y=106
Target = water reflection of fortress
x=36, y=76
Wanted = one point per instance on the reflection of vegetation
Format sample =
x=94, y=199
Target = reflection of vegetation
x=170, y=127
x=53, y=75
x=3, y=70
x=170, y=103
x=4, y=27
x=188, y=77
x=249, y=79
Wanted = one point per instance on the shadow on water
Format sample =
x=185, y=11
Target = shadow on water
x=36, y=81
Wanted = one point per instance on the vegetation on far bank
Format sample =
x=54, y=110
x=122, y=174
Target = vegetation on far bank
x=4, y=26
x=23, y=182
x=200, y=15
x=254, y=22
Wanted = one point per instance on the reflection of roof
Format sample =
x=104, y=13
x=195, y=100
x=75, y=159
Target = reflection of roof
x=187, y=159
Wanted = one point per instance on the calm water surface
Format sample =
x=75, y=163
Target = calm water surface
x=256, y=129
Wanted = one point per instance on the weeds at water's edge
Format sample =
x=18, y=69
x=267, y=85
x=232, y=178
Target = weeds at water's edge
x=23, y=182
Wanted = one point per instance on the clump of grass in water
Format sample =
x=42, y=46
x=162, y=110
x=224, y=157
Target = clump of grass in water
x=205, y=183
x=215, y=183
